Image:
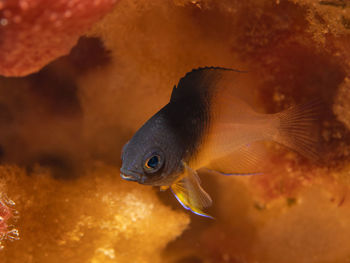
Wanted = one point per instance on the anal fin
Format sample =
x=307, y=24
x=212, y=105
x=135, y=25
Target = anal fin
x=248, y=159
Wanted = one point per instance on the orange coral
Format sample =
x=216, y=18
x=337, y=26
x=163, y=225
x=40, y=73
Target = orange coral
x=96, y=218
x=34, y=32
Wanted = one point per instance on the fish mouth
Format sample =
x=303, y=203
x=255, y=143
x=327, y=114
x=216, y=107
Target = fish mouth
x=129, y=175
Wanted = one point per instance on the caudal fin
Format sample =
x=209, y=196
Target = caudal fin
x=299, y=128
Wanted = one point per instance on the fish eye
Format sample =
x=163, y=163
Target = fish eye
x=153, y=163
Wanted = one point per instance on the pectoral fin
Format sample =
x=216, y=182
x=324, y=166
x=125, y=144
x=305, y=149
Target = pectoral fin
x=190, y=194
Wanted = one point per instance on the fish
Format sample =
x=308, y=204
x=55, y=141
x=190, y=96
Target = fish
x=208, y=125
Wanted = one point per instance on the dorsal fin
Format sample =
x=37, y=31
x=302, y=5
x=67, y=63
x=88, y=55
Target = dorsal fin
x=198, y=81
x=173, y=92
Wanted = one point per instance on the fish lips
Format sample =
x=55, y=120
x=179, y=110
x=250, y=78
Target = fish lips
x=129, y=175
x=137, y=177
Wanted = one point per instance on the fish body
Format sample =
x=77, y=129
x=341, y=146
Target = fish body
x=208, y=125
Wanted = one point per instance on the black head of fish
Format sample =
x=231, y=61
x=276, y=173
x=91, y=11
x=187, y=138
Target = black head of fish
x=153, y=155
x=173, y=136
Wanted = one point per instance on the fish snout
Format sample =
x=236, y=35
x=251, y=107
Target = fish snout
x=129, y=176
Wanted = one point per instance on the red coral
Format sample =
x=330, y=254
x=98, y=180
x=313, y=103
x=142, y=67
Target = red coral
x=34, y=32
x=6, y=214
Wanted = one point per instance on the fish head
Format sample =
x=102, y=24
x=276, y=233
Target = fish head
x=152, y=156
